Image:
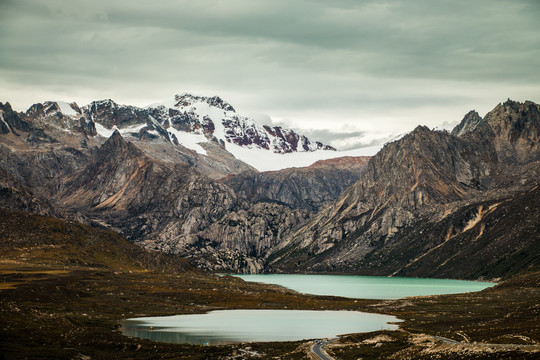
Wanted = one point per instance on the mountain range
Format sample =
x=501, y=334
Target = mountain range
x=187, y=177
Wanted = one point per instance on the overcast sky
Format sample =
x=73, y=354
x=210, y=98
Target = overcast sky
x=349, y=72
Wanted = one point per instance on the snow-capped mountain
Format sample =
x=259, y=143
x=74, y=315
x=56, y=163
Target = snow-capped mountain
x=192, y=121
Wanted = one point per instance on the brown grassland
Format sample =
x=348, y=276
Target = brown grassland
x=65, y=287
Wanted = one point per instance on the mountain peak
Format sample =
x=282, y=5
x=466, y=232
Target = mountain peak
x=421, y=128
x=516, y=127
x=6, y=105
x=469, y=122
x=186, y=99
x=54, y=109
x=11, y=121
x=115, y=142
x=106, y=103
x=509, y=103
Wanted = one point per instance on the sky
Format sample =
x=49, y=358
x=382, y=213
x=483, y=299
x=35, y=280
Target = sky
x=351, y=73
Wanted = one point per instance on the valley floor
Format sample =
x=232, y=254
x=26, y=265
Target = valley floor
x=73, y=312
x=65, y=287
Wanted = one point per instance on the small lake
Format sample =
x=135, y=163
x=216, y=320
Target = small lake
x=234, y=326
x=367, y=287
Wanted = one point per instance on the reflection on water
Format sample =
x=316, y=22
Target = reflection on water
x=367, y=287
x=168, y=336
x=233, y=326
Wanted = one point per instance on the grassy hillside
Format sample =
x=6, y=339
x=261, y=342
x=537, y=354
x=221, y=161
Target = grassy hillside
x=50, y=241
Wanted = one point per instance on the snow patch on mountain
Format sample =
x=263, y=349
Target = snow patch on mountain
x=189, y=140
x=103, y=131
x=66, y=108
x=264, y=160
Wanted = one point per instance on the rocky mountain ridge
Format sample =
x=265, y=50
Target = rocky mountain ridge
x=417, y=182
x=418, y=197
x=211, y=117
x=151, y=194
x=206, y=131
x=307, y=188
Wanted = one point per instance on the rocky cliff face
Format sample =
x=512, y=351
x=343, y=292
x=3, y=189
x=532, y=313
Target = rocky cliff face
x=238, y=242
x=423, y=178
x=128, y=190
x=10, y=121
x=14, y=195
x=173, y=209
x=306, y=188
x=516, y=131
x=481, y=240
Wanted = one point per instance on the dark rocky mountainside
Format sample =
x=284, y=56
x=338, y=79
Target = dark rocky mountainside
x=391, y=220
x=423, y=206
x=14, y=195
x=306, y=188
x=123, y=189
x=489, y=239
x=142, y=182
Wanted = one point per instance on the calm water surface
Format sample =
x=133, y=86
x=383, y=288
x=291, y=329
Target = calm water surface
x=367, y=287
x=233, y=326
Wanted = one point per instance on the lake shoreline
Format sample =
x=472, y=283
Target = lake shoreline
x=233, y=326
x=62, y=311
x=352, y=273
x=366, y=287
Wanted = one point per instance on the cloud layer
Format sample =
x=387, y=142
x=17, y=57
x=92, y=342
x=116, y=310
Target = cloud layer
x=369, y=67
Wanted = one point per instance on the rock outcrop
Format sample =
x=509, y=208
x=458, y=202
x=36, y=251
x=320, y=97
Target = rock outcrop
x=10, y=121
x=306, y=188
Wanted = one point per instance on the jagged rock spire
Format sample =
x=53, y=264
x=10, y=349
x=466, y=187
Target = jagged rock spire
x=468, y=124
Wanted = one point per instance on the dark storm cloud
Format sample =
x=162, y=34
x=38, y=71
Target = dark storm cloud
x=307, y=59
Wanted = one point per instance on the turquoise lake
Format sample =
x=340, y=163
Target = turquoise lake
x=367, y=287
x=234, y=326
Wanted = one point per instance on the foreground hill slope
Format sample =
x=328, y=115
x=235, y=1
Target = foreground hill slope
x=65, y=288
x=47, y=241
